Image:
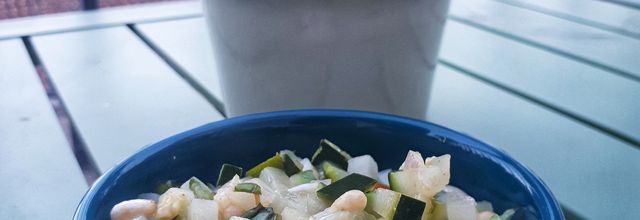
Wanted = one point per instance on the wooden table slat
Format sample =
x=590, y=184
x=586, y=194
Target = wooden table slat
x=616, y=53
x=579, y=88
x=40, y=176
x=587, y=171
x=121, y=95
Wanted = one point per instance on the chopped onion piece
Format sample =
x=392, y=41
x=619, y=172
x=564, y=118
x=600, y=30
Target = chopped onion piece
x=460, y=206
x=364, y=165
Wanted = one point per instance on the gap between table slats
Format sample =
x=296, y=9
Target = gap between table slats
x=215, y=102
x=76, y=142
x=566, y=113
x=569, y=17
x=550, y=49
x=625, y=3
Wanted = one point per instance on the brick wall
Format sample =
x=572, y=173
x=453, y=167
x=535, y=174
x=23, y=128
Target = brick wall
x=22, y=8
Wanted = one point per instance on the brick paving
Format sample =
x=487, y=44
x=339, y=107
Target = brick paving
x=22, y=8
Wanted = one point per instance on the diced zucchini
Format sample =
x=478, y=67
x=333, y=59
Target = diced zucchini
x=260, y=213
x=352, y=181
x=253, y=212
x=266, y=215
x=199, y=189
x=330, y=152
x=302, y=177
x=275, y=161
x=332, y=171
x=390, y=205
x=291, y=163
x=403, y=182
x=248, y=188
x=227, y=172
x=439, y=210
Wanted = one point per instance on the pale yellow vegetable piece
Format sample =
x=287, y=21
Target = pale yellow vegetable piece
x=173, y=202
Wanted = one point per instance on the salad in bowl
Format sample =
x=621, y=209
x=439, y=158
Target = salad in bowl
x=332, y=185
x=269, y=165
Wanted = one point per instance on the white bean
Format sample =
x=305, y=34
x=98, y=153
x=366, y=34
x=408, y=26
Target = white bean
x=132, y=209
x=350, y=201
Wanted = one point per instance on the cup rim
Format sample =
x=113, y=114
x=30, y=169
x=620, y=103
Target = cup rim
x=542, y=195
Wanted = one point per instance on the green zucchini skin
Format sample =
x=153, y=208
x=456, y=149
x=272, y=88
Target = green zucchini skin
x=353, y=181
x=330, y=152
x=332, y=171
x=409, y=208
x=290, y=162
x=302, y=177
x=390, y=205
x=275, y=161
x=398, y=181
x=227, y=172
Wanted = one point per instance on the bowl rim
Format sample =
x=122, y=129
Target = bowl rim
x=543, y=197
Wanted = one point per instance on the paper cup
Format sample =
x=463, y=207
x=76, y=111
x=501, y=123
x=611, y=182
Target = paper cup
x=374, y=55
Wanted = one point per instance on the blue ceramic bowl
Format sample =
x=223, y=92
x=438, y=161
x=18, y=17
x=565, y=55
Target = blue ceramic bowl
x=479, y=169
